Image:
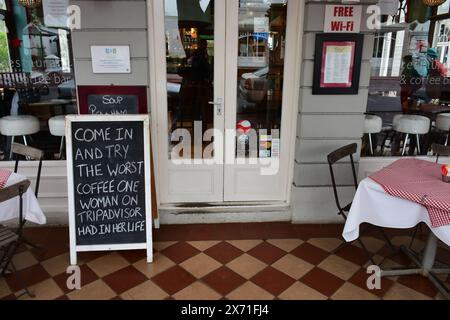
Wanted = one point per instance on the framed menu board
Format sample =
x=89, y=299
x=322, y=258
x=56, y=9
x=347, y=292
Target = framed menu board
x=115, y=100
x=337, y=63
x=108, y=174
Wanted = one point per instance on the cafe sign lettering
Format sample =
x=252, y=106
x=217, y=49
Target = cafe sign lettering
x=343, y=18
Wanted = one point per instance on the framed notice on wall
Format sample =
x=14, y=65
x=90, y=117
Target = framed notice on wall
x=111, y=59
x=337, y=63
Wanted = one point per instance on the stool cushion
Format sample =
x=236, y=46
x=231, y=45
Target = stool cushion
x=413, y=124
x=395, y=121
x=443, y=122
x=372, y=124
x=19, y=125
x=57, y=126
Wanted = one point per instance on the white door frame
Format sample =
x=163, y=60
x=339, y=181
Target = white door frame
x=158, y=92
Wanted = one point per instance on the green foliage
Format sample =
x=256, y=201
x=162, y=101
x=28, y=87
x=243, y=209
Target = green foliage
x=4, y=53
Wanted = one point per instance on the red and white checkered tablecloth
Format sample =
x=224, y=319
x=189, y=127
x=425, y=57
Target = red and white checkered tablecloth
x=4, y=176
x=421, y=182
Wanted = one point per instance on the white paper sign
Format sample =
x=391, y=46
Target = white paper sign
x=111, y=59
x=261, y=24
x=343, y=18
x=338, y=61
x=55, y=13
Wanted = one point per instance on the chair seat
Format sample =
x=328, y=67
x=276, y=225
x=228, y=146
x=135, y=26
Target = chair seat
x=373, y=124
x=57, y=126
x=413, y=124
x=443, y=122
x=19, y=125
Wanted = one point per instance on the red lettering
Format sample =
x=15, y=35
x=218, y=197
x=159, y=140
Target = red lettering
x=336, y=25
x=349, y=26
x=343, y=12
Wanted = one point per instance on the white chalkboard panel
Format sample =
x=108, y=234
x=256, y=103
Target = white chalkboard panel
x=109, y=183
x=113, y=104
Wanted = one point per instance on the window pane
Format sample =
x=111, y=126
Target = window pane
x=262, y=36
x=189, y=27
x=443, y=8
x=2, y=5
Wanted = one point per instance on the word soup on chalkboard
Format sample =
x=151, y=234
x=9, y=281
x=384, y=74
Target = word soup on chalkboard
x=113, y=104
x=109, y=172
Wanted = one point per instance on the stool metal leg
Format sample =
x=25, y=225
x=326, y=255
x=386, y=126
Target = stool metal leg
x=10, y=148
x=418, y=145
x=371, y=144
x=24, y=140
x=404, y=144
x=61, y=148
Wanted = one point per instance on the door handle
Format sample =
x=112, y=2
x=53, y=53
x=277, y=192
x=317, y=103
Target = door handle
x=218, y=104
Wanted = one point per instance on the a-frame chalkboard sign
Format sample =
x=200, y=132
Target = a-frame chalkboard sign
x=108, y=174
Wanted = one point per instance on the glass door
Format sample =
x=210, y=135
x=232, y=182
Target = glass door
x=224, y=98
x=194, y=38
x=257, y=33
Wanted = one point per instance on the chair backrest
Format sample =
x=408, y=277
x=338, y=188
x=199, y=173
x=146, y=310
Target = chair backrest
x=440, y=150
x=14, y=190
x=28, y=153
x=337, y=155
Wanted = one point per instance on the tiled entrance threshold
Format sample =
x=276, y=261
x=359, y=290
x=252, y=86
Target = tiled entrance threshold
x=232, y=261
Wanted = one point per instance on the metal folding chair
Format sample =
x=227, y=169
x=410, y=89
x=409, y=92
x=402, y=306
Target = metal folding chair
x=10, y=238
x=20, y=150
x=335, y=156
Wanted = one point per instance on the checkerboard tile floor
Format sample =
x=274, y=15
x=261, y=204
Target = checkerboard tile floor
x=231, y=261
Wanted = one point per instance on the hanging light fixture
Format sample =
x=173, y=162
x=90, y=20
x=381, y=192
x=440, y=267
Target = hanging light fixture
x=30, y=3
x=433, y=3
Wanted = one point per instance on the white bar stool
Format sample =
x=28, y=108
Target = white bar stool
x=412, y=125
x=57, y=126
x=21, y=125
x=372, y=125
x=443, y=124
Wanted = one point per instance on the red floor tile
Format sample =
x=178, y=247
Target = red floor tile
x=267, y=253
x=281, y=230
x=310, y=253
x=180, y=252
x=29, y=277
x=272, y=280
x=419, y=284
x=223, y=280
x=133, y=256
x=124, y=279
x=174, y=279
x=353, y=254
x=255, y=230
x=223, y=252
x=322, y=281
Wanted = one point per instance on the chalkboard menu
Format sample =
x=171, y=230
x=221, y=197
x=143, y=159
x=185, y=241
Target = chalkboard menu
x=112, y=100
x=113, y=104
x=109, y=182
